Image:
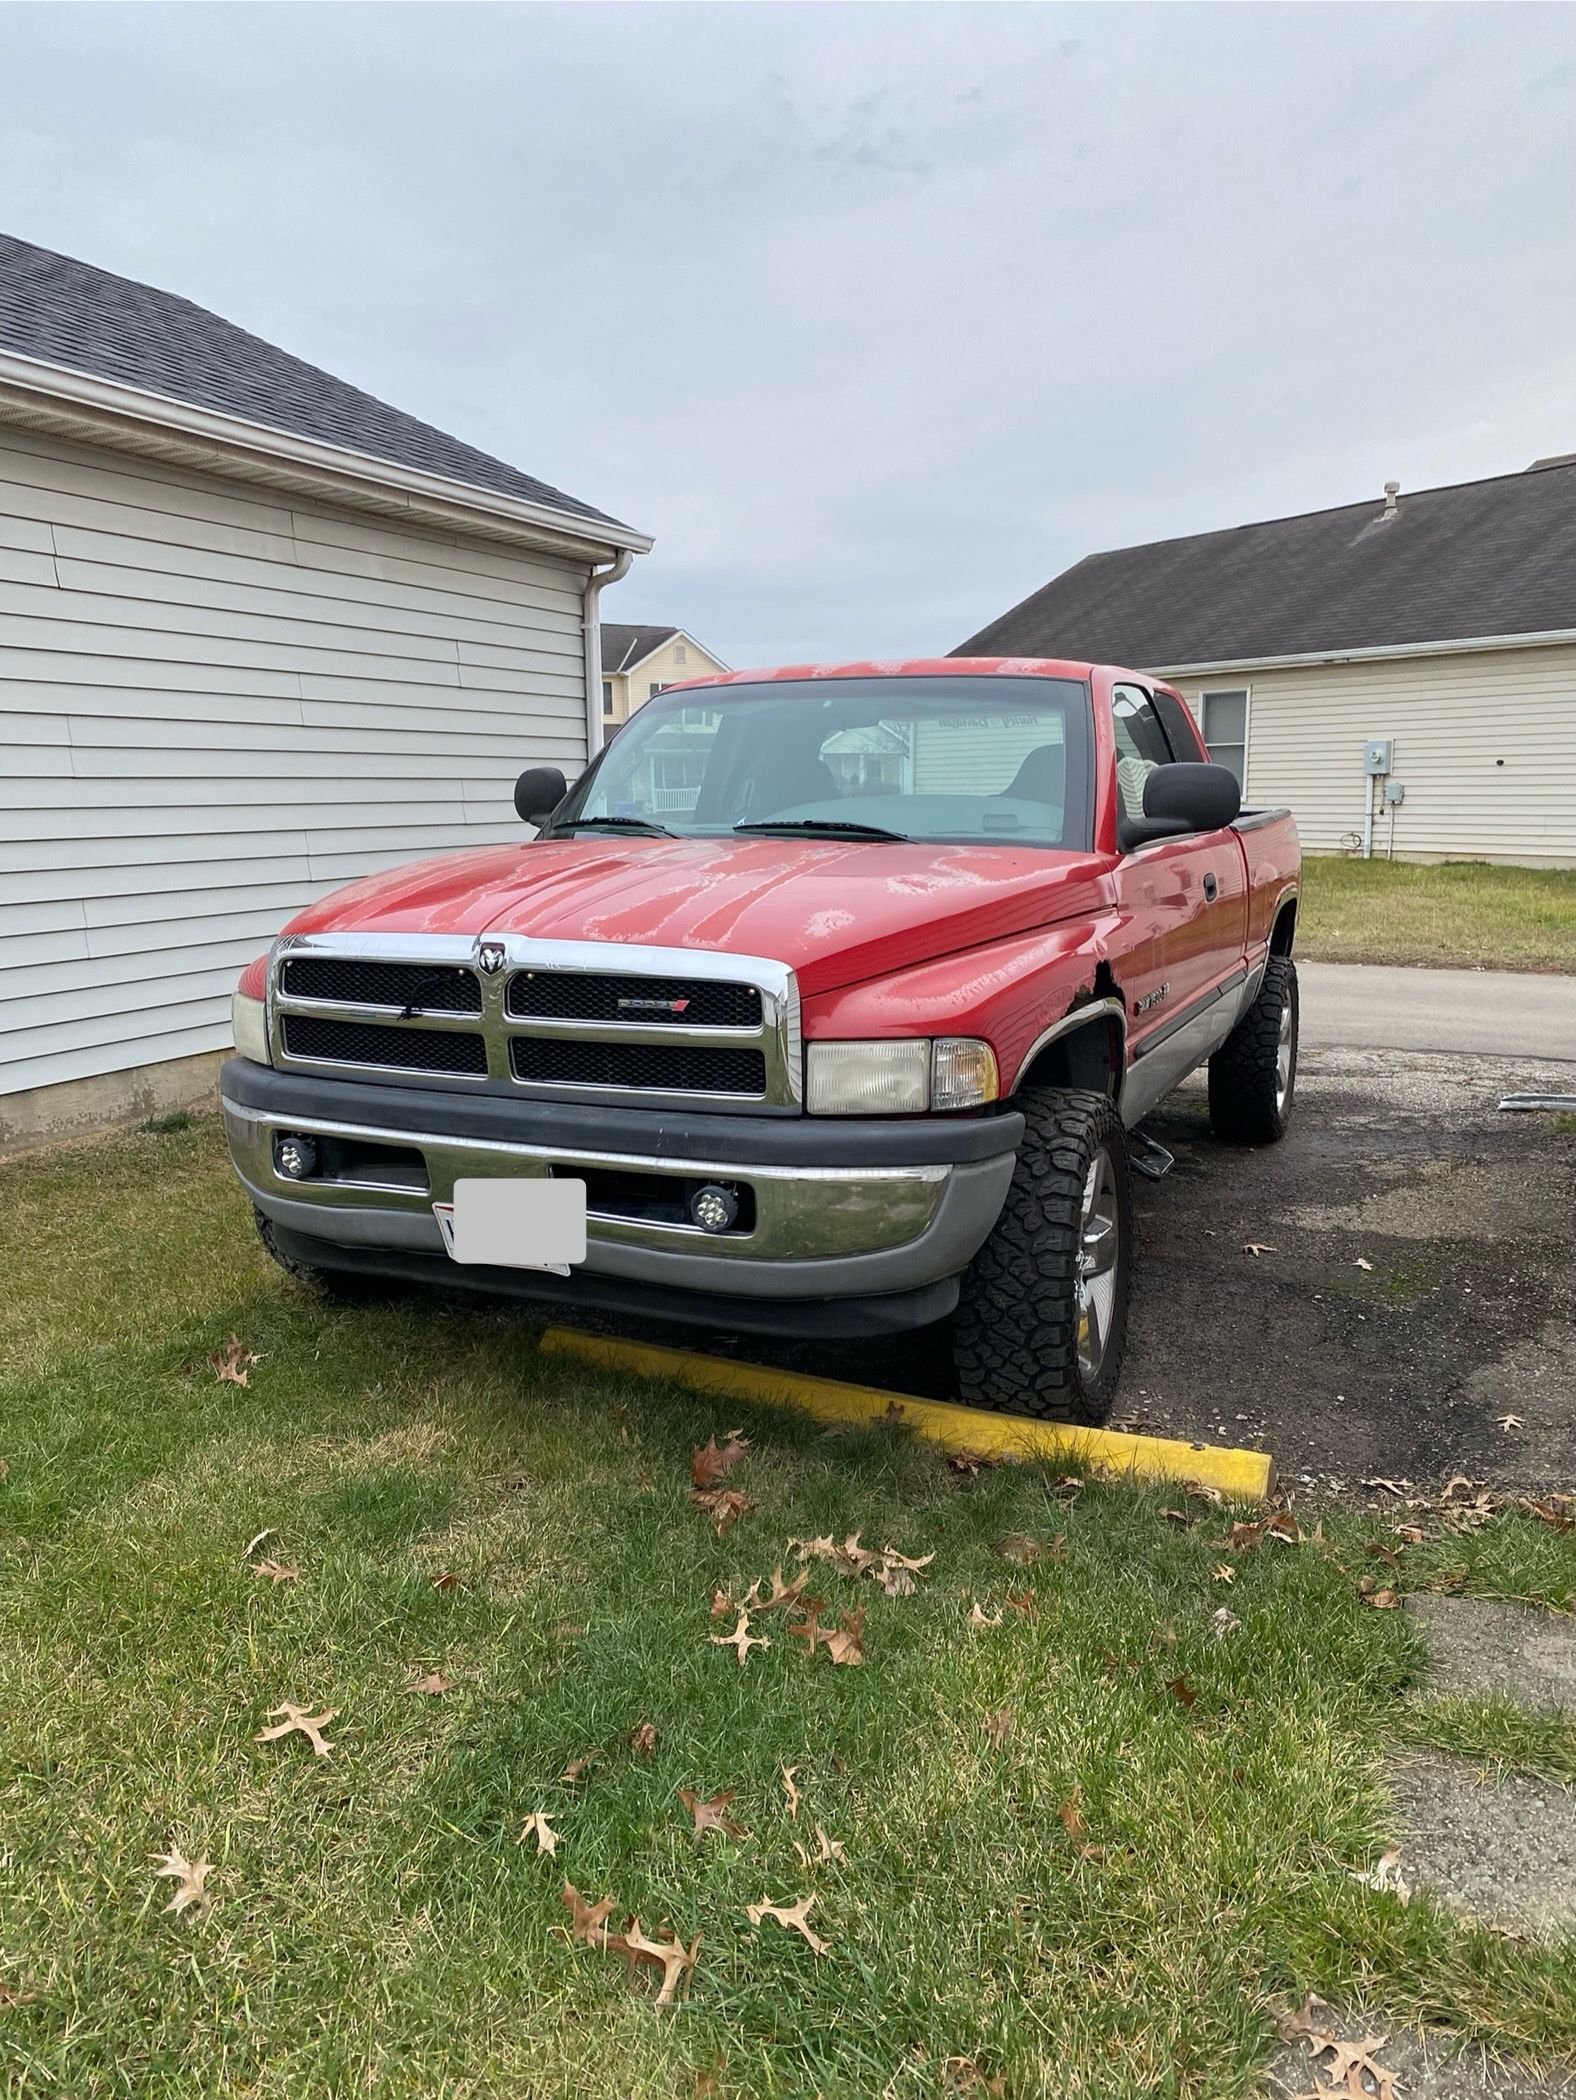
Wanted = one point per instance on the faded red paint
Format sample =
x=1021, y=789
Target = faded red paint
x=887, y=939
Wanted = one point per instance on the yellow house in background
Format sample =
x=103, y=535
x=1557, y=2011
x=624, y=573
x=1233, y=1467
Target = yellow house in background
x=640, y=661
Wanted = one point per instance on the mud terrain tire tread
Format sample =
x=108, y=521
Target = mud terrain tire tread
x=1242, y=1106
x=1015, y=1332
x=343, y=1285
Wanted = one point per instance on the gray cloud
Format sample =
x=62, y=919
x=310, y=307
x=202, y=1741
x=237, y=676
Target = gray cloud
x=876, y=316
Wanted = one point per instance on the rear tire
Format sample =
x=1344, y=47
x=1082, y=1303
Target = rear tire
x=341, y=1286
x=1041, y=1325
x=1253, y=1075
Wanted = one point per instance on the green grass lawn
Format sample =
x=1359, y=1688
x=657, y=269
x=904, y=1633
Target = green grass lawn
x=1459, y=914
x=1084, y=1850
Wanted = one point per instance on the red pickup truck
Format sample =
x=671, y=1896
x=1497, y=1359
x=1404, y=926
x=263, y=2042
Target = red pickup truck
x=841, y=991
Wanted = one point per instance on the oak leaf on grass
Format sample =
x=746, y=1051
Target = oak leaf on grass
x=846, y=1645
x=712, y=1462
x=998, y=1726
x=232, y=1363
x=809, y=1628
x=546, y=1836
x=724, y=1506
x=826, y=1850
x=790, y=1791
x=741, y=1640
x=192, y=1875
x=297, y=1721
x=587, y=1921
x=275, y=1571
x=791, y=1917
x=981, y=1621
x=433, y=1685
x=577, y=1767
x=712, y=1814
x=675, y=1959
x=643, y=1740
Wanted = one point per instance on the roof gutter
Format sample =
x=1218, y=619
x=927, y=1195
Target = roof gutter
x=80, y=405
x=1544, y=640
x=596, y=583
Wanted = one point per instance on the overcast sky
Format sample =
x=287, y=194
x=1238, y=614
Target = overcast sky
x=877, y=317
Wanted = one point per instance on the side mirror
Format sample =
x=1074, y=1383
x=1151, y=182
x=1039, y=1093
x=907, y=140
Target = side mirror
x=538, y=792
x=1181, y=799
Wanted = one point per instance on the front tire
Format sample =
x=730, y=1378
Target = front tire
x=1253, y=1075
x=1041, y=1325
x=341, y=1286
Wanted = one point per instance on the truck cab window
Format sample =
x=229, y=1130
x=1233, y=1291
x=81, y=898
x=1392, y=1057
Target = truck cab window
x=1140, y=745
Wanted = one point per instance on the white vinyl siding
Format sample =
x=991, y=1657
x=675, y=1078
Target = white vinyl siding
x=214, y=706
x=1485, y=746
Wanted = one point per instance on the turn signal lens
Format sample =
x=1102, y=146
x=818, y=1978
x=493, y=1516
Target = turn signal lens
x=249, y=1026
x=962, y=1073
x=867, y=1079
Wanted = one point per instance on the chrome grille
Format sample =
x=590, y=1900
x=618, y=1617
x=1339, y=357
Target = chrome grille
x=394, y=1049
x=587, y=995
x=504, y=1015
x=341, y=980
x=645, y=1068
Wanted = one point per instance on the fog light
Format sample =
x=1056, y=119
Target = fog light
x=295, y=1157
x=714, y=1208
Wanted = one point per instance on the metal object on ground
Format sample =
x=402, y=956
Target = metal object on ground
x=1557, y=1103
x=1150, y=1159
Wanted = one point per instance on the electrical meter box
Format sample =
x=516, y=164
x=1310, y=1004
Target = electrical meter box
x=1376, y=754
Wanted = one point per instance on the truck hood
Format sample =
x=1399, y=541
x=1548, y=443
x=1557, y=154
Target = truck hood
x=835, y=912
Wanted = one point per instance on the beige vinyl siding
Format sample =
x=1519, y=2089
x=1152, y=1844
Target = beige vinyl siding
x=1485, y=746
x=213, y=708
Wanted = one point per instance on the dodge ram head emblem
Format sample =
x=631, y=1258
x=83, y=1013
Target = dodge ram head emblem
x=489, y=957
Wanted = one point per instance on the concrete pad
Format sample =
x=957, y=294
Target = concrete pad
x=1500, y=1851
x=1491, y=1650
x=1484, y=1013
x=1424, y=2065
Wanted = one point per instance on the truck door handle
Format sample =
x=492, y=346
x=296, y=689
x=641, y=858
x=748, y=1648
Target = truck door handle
x=1210, y=888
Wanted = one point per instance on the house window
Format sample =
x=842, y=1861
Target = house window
x=607, y=696
x=680, y=653
x=1226, y=730
x=653, y=689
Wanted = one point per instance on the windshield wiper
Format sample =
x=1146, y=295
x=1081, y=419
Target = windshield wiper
x=655, y=831
x=826, y=827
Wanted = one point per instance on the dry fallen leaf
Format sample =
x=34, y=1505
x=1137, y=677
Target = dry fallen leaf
x=537, y=1826
x=643, y=1740
x=741, y=1640
x=1284, y=1529
x=1181, y=1690
x=1380, y=1599
x=971, y=1461
x=712, y=1463
x=712, y=1814
x=587, y=1921
x=672, y=1956
x=815, y=1549
x=1511, y=1422
x=448, y=1580
x=1020, y=1600
x=790, y=1791
x=1224, y=1572
x=577, y=1767
x=192, y=1875
x=1223, y=1622
x=433, y=1685
x=809, y=1628
x=1256, y=1248
x=298, y=1721
x=981, y=1621
x=826, y=1850
x=1361, y=1264
x=1070, y=1814
x=782, y=1594
x=724, y=1506
x=1019, y=1548
x=998, y=1726
x=1179, y=1516
x=846, y=1644
x=275, y=1571
x=1386, y=1876
x=793, y=1918
x=230, y=1363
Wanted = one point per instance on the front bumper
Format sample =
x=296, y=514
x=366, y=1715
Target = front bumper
x=843, y=1209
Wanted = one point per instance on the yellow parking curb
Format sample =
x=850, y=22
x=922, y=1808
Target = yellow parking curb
x=1244, y=1476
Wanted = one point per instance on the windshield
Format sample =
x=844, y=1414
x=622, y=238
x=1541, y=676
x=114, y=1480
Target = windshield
x=992, y=761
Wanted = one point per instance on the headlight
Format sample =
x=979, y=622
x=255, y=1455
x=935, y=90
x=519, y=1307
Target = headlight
x=895, y=1078
x=249, y=1026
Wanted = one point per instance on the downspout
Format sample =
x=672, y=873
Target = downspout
x=593, y=646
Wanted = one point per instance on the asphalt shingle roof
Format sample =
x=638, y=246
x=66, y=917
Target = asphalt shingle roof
x=623, y=646
x=70, y=313
x=1482, y=558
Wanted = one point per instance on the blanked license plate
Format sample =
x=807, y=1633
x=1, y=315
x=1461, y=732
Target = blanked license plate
x=495, y=1222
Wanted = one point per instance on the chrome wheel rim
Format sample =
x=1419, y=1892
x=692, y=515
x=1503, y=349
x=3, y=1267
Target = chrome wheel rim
x=1099, y=1247
x=1283, y=1060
